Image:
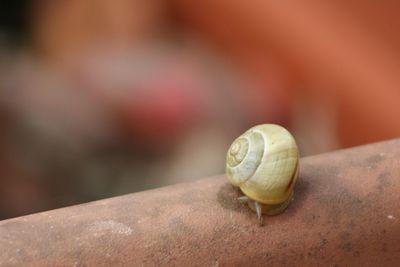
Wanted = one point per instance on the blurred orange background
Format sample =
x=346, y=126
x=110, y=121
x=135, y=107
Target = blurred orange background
x=100, y=98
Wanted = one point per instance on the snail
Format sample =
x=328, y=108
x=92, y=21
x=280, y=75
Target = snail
x=264, y=163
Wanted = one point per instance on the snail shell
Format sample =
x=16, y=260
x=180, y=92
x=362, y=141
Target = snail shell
x=264, y=162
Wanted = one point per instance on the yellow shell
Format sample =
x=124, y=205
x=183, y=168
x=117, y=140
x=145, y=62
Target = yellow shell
x=263, y=162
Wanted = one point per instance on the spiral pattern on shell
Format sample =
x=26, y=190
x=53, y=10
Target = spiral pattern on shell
x=263, y=162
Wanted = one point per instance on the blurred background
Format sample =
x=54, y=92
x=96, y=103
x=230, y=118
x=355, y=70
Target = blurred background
x=100, y=98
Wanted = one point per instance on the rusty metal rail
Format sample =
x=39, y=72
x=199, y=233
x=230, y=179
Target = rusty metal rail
x=346, y=212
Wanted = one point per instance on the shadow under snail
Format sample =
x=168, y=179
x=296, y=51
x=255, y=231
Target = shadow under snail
x=264, y=163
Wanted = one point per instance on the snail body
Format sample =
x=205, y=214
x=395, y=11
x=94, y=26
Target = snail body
x=264, y=163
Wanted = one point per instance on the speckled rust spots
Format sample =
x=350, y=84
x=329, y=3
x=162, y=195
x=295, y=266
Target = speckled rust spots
x=345, y=212
x=374, y=159
x=339, y=204
x=384, y=181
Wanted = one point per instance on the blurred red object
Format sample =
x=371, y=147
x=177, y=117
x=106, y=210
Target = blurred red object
x=155, y=95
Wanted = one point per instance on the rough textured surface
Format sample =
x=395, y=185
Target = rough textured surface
x=346, y=212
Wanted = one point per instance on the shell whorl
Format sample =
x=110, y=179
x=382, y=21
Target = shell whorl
x=263, y=162
x=244, y=157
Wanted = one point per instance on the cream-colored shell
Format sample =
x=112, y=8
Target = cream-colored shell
x=264, y=162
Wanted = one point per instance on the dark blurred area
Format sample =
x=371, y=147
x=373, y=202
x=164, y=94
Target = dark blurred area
x=101, y=98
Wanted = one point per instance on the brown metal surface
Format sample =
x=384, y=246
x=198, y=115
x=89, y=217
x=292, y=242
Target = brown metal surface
x=346, y=212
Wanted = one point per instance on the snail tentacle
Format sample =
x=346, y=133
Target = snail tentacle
x=259, y=212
